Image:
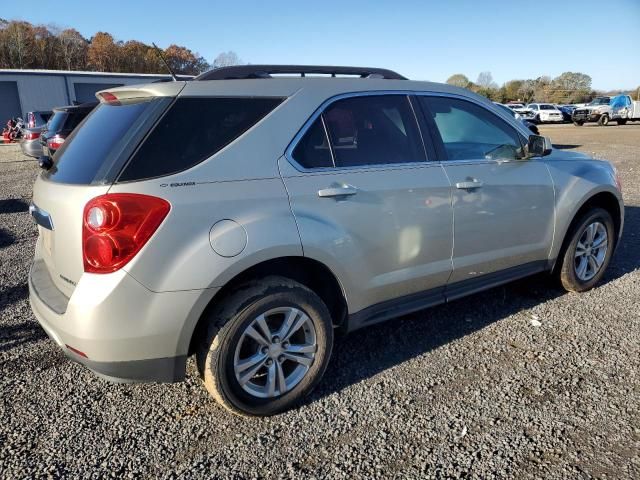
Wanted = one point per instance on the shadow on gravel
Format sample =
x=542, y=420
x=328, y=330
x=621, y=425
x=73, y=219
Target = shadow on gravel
x=6, y=238
x=627, y=256
x=13, y=205
x=12, y=336
x=367, y=352
x=11, y=295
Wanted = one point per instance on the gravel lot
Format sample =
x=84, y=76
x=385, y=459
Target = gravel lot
x=471, y=389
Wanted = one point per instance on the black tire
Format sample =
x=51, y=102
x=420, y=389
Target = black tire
x=622, y=121
x=578, y=123
x=567, y=269
x=537, y=120
x=603, y=121
x=227, y=323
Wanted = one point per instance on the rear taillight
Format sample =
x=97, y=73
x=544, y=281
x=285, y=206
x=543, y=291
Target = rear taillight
x=116, y=226
x=31, y=135
x=55, y=142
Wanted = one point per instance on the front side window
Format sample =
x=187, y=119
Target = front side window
x=470, y=132
x=364, y=130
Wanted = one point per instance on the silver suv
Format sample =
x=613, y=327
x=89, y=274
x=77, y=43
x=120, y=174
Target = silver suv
x=247, y=215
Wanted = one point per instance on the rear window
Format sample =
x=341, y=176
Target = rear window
x=192, y=130
x=55, y=125
x=90, y=152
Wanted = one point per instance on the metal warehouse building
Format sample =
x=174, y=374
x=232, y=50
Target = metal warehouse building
x=23, y=91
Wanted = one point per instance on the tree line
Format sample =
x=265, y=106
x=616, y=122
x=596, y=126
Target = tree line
x=569, y=87
x=24, y=46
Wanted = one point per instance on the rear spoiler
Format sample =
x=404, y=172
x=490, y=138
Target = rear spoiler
x=133, y=92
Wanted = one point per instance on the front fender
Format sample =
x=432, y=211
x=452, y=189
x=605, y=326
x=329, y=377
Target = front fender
x=575, y=183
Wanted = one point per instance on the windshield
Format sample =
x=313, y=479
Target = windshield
x=91, y=151
x=547, y=107
x=600, y=101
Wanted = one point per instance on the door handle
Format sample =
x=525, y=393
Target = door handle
x=341, y=191
x=469, y=185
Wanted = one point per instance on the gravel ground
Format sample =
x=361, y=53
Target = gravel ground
x=471, y=389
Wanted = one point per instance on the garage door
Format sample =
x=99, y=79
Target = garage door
x=86, y=92
x=9, y=102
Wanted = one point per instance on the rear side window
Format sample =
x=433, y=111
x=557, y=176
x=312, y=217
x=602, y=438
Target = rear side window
x=470, y=132
x=193, y=130
x=364, y=130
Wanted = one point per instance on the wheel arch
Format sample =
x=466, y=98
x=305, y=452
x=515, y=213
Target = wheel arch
x=307, y=271
x=603, y=199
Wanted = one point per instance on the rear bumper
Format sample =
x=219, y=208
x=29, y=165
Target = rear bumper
x=32, y=148
x=116, y=327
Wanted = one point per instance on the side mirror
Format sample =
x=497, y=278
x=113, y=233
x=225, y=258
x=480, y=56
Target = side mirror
x=539, y=146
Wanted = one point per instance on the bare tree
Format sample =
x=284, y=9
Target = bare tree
x=485, y=80
x=226, y=59
x=72, y=49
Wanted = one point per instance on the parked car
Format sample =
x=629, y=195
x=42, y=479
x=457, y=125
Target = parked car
x=522, y=111
x=61, y=124
x=566, y=111
x=545, y=113
x=30, y=142
x=295, y=208
x=598, y=110
x=624, y=109
x=527, y=123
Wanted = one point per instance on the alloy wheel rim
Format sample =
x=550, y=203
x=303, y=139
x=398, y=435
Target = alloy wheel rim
x=275, y=352
x=591, y=251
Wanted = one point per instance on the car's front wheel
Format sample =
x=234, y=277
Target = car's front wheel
x=587, y=251
x=268, y=344
x=603, y=120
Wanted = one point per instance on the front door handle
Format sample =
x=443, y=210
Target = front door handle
x=469, y=185
x=341, y=191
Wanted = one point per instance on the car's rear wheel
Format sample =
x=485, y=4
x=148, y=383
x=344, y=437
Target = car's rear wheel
x=587, y=251
x=622, y=121
x=268, y=344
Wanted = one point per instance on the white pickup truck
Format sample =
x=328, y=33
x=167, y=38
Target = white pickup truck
x=624, y=109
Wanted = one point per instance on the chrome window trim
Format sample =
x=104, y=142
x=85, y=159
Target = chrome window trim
x=288, y=154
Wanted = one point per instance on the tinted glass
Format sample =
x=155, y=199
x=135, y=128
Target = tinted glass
x=57, y=121
x=470, y=132
x=373, y=130
x=192, y=130
x=312, y=151
x=83, y=155
x=547, y=107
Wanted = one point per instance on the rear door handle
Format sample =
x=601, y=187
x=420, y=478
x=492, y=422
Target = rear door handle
x=341, y=191
x=469, y=185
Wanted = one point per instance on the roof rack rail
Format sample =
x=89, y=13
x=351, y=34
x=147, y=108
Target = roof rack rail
x=266, y=71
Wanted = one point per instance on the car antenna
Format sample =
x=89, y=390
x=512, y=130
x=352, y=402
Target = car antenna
x=164, y=60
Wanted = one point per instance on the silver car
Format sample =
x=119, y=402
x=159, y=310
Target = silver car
x=296, y=206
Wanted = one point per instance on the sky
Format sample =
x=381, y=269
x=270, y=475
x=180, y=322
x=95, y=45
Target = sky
x=423, y=40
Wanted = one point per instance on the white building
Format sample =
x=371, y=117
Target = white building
x=23, y=91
